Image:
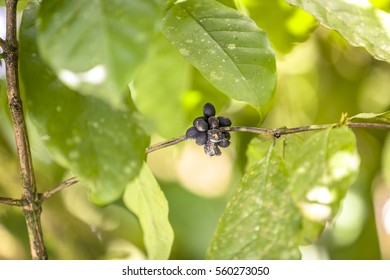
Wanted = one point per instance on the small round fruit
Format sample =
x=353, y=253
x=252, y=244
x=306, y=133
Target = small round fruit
x=224, y=143
x=208, y=110
x=212, y=149
x=225, y=135
x=201, y=124
x=224, y=122
x=213, y=122
x=201, y=139
x=192, y=133
x=214, y=135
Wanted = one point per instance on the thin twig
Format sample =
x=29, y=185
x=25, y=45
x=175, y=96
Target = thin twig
x=49, y=193
x=11, y=201
x=165, y=144
x=31, y=205
x=275, y=132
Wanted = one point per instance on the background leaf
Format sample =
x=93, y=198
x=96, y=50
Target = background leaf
x=370, y=25
x=144, y=198
x=98, y=143
x=165, y=76
x=102, y=45
x=226, y=47
x=294, y=24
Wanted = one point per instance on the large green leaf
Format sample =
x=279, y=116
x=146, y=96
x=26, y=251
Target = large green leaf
x=358, y=21
x=103, y=145
x=144, y=198
x=286, y=198
x=322, y=173
x=95, y=46
x=226, y=47
x=260, y=221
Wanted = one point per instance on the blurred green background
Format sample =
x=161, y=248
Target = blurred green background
x=320, y=76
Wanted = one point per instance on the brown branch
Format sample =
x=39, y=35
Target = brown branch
x=11, y=201
x=31, y=205
x=275, y=132
x=49, y=193
x=165, y=144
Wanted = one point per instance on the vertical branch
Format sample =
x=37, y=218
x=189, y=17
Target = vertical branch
x=31, y=203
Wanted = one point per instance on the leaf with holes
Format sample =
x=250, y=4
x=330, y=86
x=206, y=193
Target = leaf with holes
x=95, y=47
x=100, y=144
x=226, y=47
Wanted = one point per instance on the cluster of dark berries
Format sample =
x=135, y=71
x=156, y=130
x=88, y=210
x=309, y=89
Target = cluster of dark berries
x=206, y=131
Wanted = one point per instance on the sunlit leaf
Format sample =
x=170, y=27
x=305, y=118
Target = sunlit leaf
x=144, y=198
x=95, y=46
x=226, y=47
x=293, y=24
x=103, y=145
x=327, y=165
x=359, y=22
x=384, y=117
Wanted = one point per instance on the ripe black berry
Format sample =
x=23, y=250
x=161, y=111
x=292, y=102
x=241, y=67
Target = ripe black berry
x=213, y=122
x=226, y=135
x=201, y=124
x=201, y=139
x=192, y=133
x=206, y=130
x=224, y=143
x=208, y=110
x=224, y=122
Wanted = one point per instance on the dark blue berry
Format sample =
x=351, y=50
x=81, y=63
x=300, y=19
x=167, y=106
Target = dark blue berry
x=201, y=124
x=201, y=139
x=213, y=122
x=226, y=135
x=208, y=110
x=192, y=133
x=224, y=122
x=224, y=143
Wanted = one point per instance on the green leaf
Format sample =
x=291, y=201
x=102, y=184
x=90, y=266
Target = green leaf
x=95, y=46
x=145, y=199
x=328, y=164
x=384, y=117
x=226, y=47
x=260, y=221
x=101, y=144
x=286, y=198
x=165, y=76
x=359, y=22
x=293, y=24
